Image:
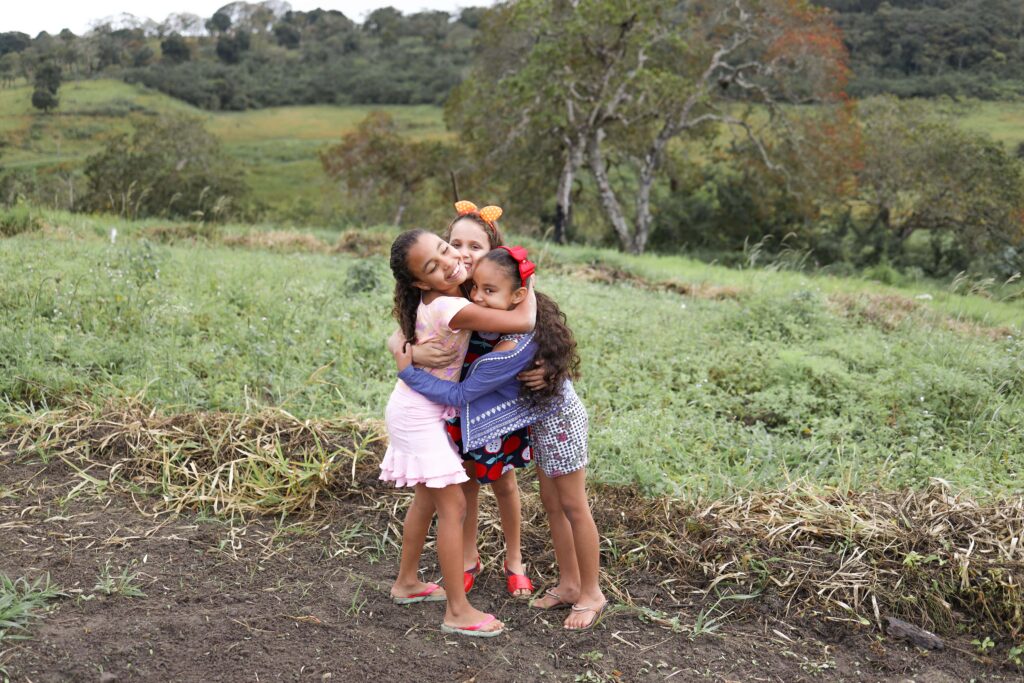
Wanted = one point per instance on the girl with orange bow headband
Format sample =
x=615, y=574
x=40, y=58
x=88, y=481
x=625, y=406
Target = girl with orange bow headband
x=492, y=404
x=475, y=232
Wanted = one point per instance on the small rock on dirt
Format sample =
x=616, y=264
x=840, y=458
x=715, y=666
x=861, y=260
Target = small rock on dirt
x=897, y=628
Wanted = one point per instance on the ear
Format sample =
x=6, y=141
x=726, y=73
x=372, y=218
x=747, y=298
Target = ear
x=421, y=285
x=519, y=295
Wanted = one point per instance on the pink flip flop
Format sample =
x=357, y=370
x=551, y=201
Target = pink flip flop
x=426, y=595
x=474, y=630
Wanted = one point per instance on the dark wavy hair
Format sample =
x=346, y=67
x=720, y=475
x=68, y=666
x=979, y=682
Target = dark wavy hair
x=407, y=295
x=556, y=345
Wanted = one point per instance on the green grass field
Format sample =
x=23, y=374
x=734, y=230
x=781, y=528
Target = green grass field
x=277, y=147
x=774, y=376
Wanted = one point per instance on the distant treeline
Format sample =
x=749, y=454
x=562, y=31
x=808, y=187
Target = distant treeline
x=253, y=55
x=925, y=48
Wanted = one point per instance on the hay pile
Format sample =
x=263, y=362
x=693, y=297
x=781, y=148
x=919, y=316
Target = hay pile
x=933, y=557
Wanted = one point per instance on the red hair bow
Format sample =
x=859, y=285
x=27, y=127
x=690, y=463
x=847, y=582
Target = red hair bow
x=526, y=266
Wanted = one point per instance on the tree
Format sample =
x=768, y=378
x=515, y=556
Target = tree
x=175, y=49
x=384, y=170
x=169, y=167
x=611, y=83
x=220, y=22
x=10, y=67
x=47, y=82
x=922, y=172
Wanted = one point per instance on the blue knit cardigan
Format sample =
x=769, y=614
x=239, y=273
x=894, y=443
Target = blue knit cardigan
x=489, y=400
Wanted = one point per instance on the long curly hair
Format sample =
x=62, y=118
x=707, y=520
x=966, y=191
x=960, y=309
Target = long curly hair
x=407, y=295
x=556, y=345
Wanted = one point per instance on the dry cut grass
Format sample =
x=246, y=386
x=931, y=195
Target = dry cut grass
x=934, y=557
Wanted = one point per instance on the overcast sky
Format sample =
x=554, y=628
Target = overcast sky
x=31, y=17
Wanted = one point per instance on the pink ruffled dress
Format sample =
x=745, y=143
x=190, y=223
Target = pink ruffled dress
x=420, y=450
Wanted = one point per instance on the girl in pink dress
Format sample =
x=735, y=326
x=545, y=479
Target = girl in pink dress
x=429, y=307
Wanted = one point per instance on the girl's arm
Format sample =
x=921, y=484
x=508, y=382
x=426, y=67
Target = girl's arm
x=486, y=377
x=520, y=319
x=429, y=354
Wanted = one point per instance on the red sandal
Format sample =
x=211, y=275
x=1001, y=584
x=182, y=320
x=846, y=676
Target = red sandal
x=517, y=582
x=469, y=576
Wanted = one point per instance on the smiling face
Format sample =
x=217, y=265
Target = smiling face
x=494, y=288
x=435, y=265
x=472, y=242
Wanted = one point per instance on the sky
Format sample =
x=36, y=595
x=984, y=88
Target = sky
x=53, y=15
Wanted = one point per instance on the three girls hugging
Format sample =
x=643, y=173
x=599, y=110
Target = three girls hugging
x=469, y=292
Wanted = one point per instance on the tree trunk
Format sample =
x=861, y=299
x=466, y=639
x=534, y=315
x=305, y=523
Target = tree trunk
x=401, y=209
x=563, y=201
x=609, y=202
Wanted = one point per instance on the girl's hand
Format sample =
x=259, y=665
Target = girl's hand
x=433, y=355
x=394, y=342
x=403, y=357
x=534, y=379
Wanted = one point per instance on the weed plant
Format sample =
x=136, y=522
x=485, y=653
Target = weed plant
x=21, y=601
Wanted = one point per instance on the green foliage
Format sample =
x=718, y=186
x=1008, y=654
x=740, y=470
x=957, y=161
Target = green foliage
x=921, y=172
x=17, y=219
x=47, y=82
x=169, y=167
x=385, y=173
x=912, y=48
x=118, y=581
x=22, y=601
x=175, y=49
x=362, y=276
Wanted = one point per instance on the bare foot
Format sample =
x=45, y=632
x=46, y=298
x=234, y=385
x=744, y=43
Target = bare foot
x=557, y=597
x=471, y=616
x=406, y=590
x=584, y=615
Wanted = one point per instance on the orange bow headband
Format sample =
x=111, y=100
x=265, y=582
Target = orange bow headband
x=526, y=266
x=488, y=213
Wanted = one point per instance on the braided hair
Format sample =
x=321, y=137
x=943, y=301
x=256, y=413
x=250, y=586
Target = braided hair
x=556, y=345
x=407, y=295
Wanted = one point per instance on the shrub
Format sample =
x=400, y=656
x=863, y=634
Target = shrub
x=18, y=219
x=170, y=167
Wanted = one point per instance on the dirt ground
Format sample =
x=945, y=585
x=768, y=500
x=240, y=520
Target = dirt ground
x=305, y=598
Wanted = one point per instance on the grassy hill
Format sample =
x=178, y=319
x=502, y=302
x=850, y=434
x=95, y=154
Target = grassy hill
x=699, y=379
x=278, y=146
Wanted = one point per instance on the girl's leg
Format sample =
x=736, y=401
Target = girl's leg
x=471, y=490
x=568, y=588
x=414, y=536
x=451, y=512
x=506, y=492
x=572, y=494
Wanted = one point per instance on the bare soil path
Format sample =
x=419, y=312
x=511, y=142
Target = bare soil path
x=305, y=599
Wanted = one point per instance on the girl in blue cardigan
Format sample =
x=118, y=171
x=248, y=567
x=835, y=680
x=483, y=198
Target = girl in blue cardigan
x=492, y=404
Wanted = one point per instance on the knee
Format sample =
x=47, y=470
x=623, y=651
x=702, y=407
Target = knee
x=454, y=510
x=575, y=510
x=552, y=505
x=506, y=488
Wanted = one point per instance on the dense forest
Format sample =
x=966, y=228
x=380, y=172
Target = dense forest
x=260, y=55
x=924, y=48
x=253, y=55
